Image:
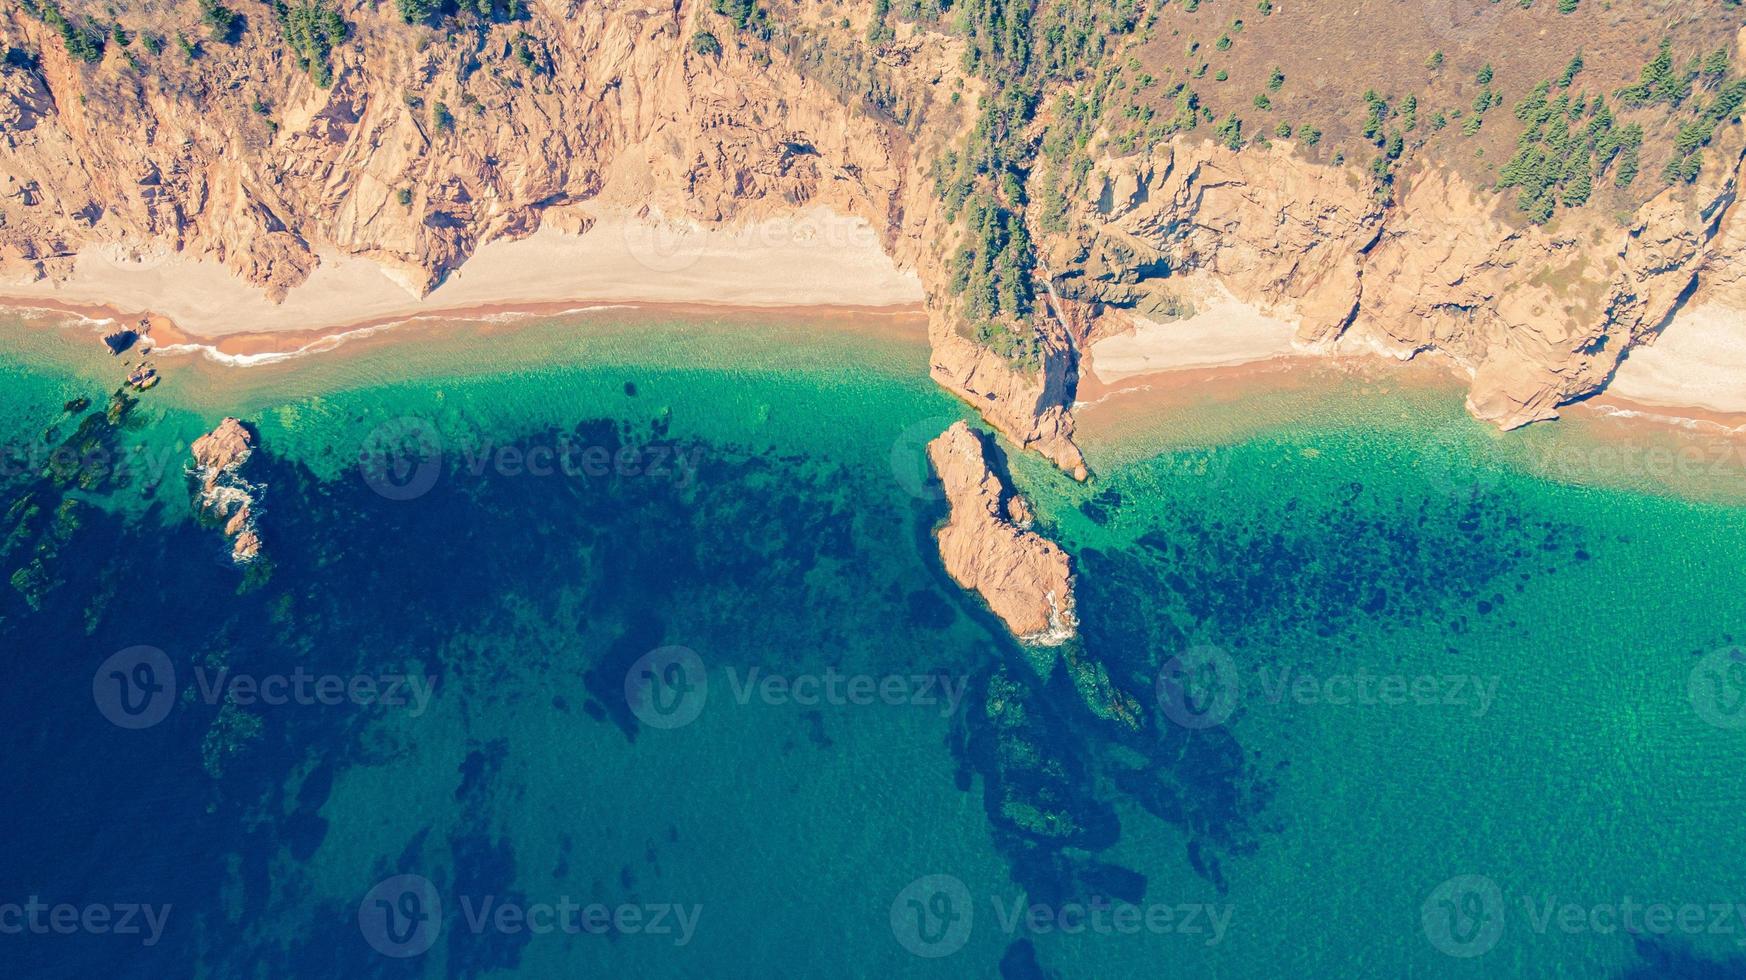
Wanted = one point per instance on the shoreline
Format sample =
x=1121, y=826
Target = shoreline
x=819, y=266
x=251, y=349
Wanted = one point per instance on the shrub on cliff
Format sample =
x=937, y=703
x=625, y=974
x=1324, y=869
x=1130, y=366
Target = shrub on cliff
x=704, y=43
x=745, y=15
x=418, y=11
x=224, y=22
x=83, y=42
x=313, y=29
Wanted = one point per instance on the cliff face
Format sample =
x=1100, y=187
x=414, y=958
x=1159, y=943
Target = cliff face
x=1539, y=315
x=432, y=139
x=238, y=155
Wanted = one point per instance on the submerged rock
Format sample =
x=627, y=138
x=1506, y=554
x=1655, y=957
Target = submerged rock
x=222, y=495
x=1025, y=579
x=144, y=377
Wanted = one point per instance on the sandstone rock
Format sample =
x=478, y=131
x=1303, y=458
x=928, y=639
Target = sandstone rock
x=1538, y=315
x=1026, y=580
x=144, y=376
x=223, y=450
x=222, y=495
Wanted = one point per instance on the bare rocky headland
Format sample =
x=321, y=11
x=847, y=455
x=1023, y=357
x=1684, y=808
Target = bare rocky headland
x=988, y=547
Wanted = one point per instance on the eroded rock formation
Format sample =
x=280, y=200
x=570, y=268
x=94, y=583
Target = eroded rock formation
x=1026, y=580
x=222, y=495
x=1540, y=316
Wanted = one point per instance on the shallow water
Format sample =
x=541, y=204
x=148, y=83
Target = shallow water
x=747, y=515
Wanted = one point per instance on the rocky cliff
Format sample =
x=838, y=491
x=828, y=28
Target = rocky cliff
x=1046, y=166
x=987, y=545
x=1539, y=316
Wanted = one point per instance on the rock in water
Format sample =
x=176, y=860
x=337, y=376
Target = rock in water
x=223, y=495
x=1026, y=579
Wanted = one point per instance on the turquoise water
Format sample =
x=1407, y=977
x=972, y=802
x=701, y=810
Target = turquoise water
x=759, y=533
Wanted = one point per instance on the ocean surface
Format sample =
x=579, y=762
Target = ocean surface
x=604, y=645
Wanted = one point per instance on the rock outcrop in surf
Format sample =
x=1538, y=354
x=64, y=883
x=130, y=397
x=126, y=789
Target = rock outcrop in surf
x=222, y=495
x=987, y=546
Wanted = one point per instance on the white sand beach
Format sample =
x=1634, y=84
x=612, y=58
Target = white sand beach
x=1223, y=332
x=816, y=258
x=1699, y=361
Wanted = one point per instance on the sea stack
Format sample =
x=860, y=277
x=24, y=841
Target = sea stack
x=223, y=495
x=986, y=545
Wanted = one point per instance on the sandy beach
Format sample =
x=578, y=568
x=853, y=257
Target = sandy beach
x=1698, y=362
x=1222, y=332
x=814, y=259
